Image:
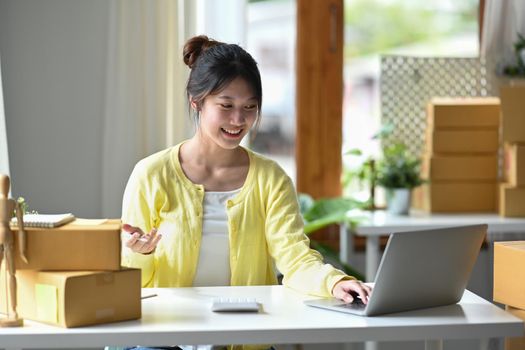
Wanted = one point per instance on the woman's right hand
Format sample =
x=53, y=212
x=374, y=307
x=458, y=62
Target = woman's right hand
x=141, y=242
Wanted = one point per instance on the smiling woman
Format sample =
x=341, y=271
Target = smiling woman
x=233, y=111
x=211, y=212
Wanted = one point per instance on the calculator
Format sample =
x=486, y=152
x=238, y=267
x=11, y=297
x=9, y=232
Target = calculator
x=235, y=305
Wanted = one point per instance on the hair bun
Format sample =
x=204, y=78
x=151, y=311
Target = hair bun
x=195, y=46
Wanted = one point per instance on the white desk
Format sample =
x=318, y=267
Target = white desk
x=183, y=316
x=380, y=223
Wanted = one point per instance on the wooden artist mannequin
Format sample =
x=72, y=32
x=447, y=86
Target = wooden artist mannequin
x=7, y=207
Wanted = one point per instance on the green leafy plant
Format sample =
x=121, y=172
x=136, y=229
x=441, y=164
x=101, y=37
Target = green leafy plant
x=24, y=207
x=517, y=69
x=367, y=171
x=397, y=169
x=320, y=213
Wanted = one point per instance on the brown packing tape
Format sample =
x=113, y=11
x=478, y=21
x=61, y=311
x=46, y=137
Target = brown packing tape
x=105, y=279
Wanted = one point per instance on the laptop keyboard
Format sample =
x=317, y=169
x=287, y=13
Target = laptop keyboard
x=357, y=304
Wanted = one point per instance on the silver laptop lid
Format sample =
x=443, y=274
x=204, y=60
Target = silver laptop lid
x=425, y=268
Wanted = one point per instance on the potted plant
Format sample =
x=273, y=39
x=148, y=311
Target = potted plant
x=322, y=212
x=398, y=173
x=366, y=172
x=517, y=68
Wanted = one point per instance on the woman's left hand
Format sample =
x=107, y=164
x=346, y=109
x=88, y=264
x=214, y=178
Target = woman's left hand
x=347, y=290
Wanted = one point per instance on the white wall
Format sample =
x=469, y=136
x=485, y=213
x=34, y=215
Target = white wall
x=4, y=156
x=53, y=61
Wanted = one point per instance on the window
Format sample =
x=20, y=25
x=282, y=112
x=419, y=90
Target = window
x=405, y=27
x=271, y=40
x=372, y=28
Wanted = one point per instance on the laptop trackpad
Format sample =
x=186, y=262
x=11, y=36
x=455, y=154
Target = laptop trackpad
x=357, y=304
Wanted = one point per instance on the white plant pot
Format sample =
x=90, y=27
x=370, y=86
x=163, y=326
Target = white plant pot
x=398, y=200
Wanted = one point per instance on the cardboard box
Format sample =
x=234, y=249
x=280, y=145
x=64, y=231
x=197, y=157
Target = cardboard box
x=475, y=112
x=81, y=245
x=515, y=343
x=509, y=274
x=513, y=113
x=459, y=167
x=456, y=197
x=77, y=298
x=514, y=164
x=511, y=201
x=464, y=141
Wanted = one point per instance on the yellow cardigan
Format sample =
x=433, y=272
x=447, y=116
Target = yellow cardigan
x=264, y=222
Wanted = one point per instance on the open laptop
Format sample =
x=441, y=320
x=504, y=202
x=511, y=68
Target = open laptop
x=419, y=269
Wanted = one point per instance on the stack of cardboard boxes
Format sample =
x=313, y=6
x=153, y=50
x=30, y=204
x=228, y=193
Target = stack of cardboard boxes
x=73, y=276
x=461, y=156
x=512, y=191
x=509, y=283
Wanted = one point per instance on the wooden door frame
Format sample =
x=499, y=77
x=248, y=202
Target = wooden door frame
x=319, y=97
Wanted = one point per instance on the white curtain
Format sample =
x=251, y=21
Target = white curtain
x=501, y=21
x=224, y=20
x=145, y=106
x=4, y=155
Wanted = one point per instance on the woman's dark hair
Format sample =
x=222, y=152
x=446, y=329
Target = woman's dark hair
x=214, y=65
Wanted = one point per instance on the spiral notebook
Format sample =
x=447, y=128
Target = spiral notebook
x=46, y=220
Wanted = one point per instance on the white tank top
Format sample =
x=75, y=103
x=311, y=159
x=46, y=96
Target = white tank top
x=213, y=268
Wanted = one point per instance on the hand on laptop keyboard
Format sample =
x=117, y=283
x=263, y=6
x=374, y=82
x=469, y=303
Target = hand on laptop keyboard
x=348, y=290
x=357, y=304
